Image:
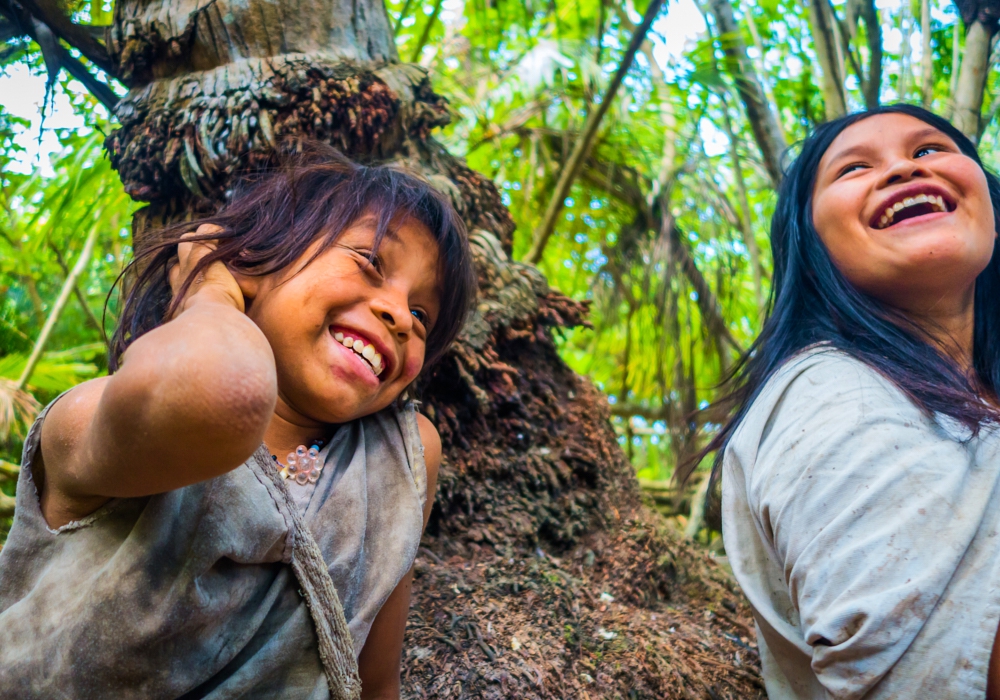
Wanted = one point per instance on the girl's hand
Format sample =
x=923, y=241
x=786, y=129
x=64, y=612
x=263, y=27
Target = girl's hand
x=214, y=282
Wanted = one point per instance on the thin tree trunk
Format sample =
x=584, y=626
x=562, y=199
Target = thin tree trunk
x=971, y=84
x=825, y=38
x=746, y=224
x=761, y=69
x=906, y=55
x=57, y=308
x=586, y=139
x=78, y=293
x=956, y=55
x=760, y=112
x=926, y=58
x=873, y=33
x=871, y=81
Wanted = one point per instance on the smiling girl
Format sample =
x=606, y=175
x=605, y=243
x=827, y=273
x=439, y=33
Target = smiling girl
x=861, y=473
x=235, y=510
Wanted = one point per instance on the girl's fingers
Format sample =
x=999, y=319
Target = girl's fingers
x=189, y=253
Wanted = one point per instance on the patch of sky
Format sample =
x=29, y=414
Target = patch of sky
x=694, y=296
x=568, y=264
x=715, y=141
x=409, y=21
x=654, y=439
x=580, y=238
x=568, y=202
x=659, y=426
x=570, y=217
x=611, y=399
x=452, y=63
x=516, y=186
x=505, y=198
x=23, y=91
x=793, y=64
x=595, y=203
x=892, y=39
x=588, y=219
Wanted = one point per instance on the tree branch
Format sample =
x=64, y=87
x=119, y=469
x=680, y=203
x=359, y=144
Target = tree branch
x=582, y=147
x=57, y=308
x=25, y=24
x=49, y=12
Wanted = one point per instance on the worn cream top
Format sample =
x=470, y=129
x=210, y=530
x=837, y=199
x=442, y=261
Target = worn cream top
x=864, y=534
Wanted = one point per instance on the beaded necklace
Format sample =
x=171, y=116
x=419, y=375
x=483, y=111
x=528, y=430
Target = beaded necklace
x=303, y=466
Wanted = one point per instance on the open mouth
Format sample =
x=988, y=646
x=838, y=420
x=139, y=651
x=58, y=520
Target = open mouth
x=366, y=351
x=910, y=206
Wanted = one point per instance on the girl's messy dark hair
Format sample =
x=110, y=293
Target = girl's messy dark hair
x=271, y=220
x=811, y=302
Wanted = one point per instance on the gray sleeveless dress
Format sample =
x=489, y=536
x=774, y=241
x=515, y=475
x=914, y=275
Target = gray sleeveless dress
x=238, y=586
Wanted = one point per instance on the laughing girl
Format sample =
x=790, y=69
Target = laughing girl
x=235, y=510
x=861, y=475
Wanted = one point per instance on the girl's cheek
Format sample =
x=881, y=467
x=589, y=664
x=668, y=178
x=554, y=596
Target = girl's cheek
x=413, y=365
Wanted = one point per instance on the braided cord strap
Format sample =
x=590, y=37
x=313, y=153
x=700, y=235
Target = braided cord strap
x=336, y=646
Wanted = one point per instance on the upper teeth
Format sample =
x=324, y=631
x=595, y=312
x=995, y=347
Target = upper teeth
x=937, y=201
x=368, y=352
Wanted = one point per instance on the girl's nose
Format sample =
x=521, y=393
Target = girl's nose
x=394, y=314
x=903, y=170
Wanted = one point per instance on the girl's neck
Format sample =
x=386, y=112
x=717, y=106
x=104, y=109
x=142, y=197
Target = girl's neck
x=288, y=430
x=950, y=325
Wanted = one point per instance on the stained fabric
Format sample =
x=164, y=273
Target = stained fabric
x=865, y=535
x=231, y=587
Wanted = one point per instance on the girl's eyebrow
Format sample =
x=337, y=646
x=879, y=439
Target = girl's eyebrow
x=856, y=150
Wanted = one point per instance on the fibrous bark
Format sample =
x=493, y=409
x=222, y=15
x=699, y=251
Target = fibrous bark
x=535, y=499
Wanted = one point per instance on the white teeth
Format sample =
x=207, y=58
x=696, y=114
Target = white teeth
x=368, y=352
x=937, y=201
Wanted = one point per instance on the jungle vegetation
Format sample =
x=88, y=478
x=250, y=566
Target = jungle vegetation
x=632, y=164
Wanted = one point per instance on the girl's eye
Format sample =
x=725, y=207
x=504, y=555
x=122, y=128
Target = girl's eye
x=850, y=169
x=420, y=316
x=924, y=150
x=370, y=262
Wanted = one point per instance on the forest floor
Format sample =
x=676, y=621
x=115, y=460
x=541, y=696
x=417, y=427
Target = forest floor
x=633, y=613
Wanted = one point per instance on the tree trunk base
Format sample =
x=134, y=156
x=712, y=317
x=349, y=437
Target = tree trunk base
x=631, y=613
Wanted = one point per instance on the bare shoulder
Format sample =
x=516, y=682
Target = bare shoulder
x=432, y=443
x=432, y=458
x=60, y=467
x=67, y=422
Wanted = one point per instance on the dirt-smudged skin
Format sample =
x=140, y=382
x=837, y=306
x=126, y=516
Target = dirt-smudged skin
x=531, y=462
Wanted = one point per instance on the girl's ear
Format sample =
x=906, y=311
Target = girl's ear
x=250, y=285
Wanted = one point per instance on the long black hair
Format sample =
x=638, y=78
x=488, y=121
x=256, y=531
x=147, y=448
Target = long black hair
x=273, y=218
x=811, y=302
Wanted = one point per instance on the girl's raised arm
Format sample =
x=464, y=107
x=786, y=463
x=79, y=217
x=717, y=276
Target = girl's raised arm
x=191, y=400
